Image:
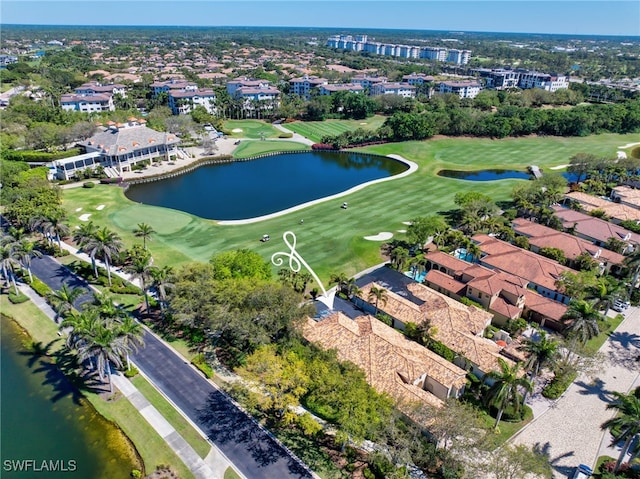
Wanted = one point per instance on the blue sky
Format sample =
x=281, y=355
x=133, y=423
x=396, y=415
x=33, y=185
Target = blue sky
x=616, y=17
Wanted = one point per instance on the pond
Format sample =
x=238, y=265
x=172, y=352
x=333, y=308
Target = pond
x=248, y=189
x=492, y=175
x=45, y=420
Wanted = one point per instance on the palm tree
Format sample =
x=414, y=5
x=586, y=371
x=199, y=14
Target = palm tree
x=604, y=293
x=144, y=231
x=62, y=300
x=140, y=269
x=103, y=345
x=585, y=320
x=633, y=263
x=26, y=250
x=82, y=236
x=80, y=325
x=130, y=333
x=8, y=262
x=339, y=279
x=161, y=282
x=626, y=423
x=104, y=244
x=55, y=229
x=377, y=295
x=399, y=255
x=540, y=353
x=504, y=391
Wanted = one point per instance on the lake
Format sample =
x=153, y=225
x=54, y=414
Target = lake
x=492, y=175
x=247, y=189
x=45, y=420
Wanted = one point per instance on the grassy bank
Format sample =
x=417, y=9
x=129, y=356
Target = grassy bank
x=332, y=239
x=151, y=447
x=315, y=130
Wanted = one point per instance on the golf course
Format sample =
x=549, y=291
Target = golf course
x=332, y=239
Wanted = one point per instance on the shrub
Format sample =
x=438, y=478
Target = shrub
x=515, y=326
x=309, y=426
x=40, y=288
x=18, y=298
x=469, y=302
x=88, y=184
x=130, y=373
x=200, y=362
x=385, y=318
x=285, y=135
x=322, y=146
x=124, y=289
x=442, y=350
x=558, y=385
x=109, y=181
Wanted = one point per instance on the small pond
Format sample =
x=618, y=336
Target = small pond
x=247, y=189
x=492, y=175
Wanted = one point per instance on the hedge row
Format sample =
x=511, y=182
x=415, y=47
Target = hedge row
x=33, y=156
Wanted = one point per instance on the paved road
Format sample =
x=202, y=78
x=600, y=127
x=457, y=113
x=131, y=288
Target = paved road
x=569, y=431
x=250, y=448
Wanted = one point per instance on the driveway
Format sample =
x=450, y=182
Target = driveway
x=569, y=430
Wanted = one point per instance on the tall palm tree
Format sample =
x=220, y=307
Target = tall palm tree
x=104, y=244
x=604, y=293
x=340, y=280
x=54, y=228
x=9, y=261
x=377, y=295
x=504, y=391
x=62, y=300
x=144, y=231
x=626, y=423
x=540, y=354
x=633, y=263
x=585, y=320
x=103, y=345
x=26, y=250
x=140, y=269
x=130, y=333
x=161, y=282
x=82, y=236
x=80, y=325
x=399, y=256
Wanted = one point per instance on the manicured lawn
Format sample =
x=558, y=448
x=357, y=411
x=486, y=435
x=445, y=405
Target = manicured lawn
x=253, y=148
x=594, y=344
x=230, y=473
x=151, y=447
x=331, y=238
x=315, y=130
x=186, y=430
x=250, y=129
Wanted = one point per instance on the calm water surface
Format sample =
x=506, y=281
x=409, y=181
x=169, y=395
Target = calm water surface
x=492, y=175
x=44, y=419
x=248, y=189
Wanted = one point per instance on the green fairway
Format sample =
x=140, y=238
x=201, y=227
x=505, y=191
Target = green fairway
x=331, y=238
x=253, y=148
x=315, y=130
x=250, y=129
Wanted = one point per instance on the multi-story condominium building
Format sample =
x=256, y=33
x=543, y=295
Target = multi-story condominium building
x=464, y=89
x=173, y=84
x=417, y=79
x=92, y=88
x=434, y=53
x=330, y=89
x=500, y=78
x=87, y=103
x=387, y=88
x=361, y=43
x=367, y=81
x=256, y=94
x=182, y=102
x=303, y=86
x=459, y=57
x=119, y=146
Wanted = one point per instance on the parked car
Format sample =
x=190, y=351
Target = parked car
x=620, y=305
x=582, y=472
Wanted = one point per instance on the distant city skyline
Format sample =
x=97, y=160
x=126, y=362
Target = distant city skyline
x=583, y=17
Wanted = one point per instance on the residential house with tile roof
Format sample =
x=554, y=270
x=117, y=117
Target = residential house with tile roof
x=459, y=327
x=593, y=229
x=87, y=103
x=616, y=211
x=541, y=273
x=392, y=364
x=626, y=195
x=504, y=295
x=540, y=236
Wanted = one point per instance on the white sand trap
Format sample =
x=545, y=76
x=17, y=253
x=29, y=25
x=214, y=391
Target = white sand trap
x=85, y=217
x=99, y=207
x=382, y=236
x=78, y=209
x=622, y=155
x=401, y=231
x=629, y=145
x=559, y=167
x=363, y=123
x=408, y=223
x=236, y=130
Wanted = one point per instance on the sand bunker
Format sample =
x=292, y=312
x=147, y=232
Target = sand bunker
x=99, y=207
x=236, y=130
x=382, y=236
x=559, y=167
x=401, y=231
x=622, y=155
x=78, y=209
x=85, y=217
x=629, y=145
x=408, y=223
